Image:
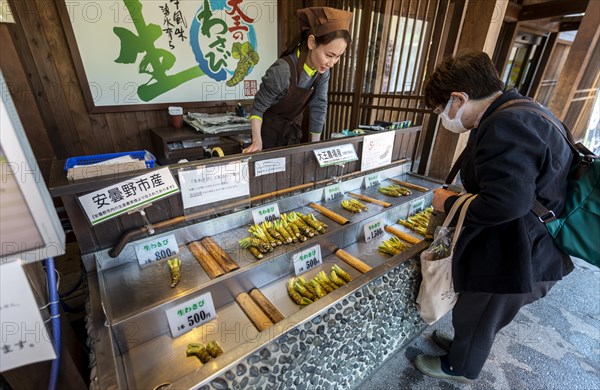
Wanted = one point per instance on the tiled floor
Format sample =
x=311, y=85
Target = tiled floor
x=553, y=343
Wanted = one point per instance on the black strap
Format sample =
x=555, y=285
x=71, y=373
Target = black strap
x=458, y=164
x=543, y=214
x=463, y=155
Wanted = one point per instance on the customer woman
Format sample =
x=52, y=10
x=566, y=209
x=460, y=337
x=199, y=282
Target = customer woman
x=505, y=258
x=299, y=79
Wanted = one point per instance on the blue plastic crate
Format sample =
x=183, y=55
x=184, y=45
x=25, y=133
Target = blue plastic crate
x=148, y=158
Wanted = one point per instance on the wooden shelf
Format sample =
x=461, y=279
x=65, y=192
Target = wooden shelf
x=169, y=148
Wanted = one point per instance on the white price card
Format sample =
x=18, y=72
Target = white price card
x=109, y=202
x=416, y=206
x=156, y=248
x=336, y=155
x=377, y=150
x=268, y=212
x=25, y=339
x=265, y=167
x=191, y=314
x=373, y=230
x=372, y=180
x=307, y=259
x=214, y=183
x=332, y=192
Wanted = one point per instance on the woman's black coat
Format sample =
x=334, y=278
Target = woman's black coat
x=517, y=156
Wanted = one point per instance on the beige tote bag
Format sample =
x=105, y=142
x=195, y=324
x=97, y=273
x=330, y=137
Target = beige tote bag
x=436, y=294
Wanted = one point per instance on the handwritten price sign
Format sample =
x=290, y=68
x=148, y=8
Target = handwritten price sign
x=372, y=180
x=156, y=249
x=333, y=192
x=191, y=314
x=373, y=230
x=266, y=213
x=307, y=259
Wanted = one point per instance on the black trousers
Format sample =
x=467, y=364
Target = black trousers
x=477, y=318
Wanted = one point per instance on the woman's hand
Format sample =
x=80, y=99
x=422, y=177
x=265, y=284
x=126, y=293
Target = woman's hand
x=256, y=146
x=439, y=198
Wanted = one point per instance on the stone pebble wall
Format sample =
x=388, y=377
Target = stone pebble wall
x=340, y=347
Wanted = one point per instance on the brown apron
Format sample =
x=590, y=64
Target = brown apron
x=282, y=122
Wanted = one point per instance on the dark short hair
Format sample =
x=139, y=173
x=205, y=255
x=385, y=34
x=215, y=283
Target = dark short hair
x=471, y=72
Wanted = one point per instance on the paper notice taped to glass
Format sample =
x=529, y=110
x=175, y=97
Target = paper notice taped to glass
x=25, y=339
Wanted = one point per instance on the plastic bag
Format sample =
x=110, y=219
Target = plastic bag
x=440, y=247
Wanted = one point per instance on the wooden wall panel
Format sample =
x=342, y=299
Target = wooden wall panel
x=30, y=24
x=22, y=95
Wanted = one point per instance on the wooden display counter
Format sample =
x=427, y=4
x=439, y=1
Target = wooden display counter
x=356, y=325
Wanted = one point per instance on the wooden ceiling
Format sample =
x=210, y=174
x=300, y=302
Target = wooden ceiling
x=547, y=15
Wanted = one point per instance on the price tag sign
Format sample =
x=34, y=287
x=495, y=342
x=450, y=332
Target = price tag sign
x=373, y=230
x=416, y=206
x=333, y=192
x=372, y=180
x=156, y=249
x=307, y=259
x=335, y=155
x=191, y=314
x=269, y=212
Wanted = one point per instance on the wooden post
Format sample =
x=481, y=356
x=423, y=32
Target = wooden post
x=480, y=30
x=360, y=66
x=541, y=68
x=577, y=61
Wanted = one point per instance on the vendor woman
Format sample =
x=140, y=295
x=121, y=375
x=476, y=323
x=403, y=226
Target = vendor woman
x=300, y=78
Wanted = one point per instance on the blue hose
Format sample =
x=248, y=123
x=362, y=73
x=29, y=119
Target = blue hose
x=54, y=314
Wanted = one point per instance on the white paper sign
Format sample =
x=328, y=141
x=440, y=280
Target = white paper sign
x=416, y=206
x=266, y=167
x=109, y=202
x=333, y=192
x=268, y=212
x=372, y=180
x=156, y=248
x=336, y=155
x=377, y=150
x=373, y=230
x=25, y=339
x=191, y=314
x=214, y=183
x=307, y=259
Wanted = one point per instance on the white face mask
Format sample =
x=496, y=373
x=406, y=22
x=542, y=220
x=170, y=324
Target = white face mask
x=454, y=125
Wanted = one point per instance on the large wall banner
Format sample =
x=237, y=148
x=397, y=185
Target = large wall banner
x=150, y=52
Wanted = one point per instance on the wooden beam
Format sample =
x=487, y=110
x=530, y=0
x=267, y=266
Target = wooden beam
x=577, y=61
x=480, y=30
x=580, y=109
x=552, y=8
x=547, y=51
x=425, y=145
x=569, y=26
x=507, y=39
x=362, y=57
x=512, y=12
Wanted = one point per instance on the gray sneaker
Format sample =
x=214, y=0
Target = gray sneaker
x=441, y=340
x=432, y=366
